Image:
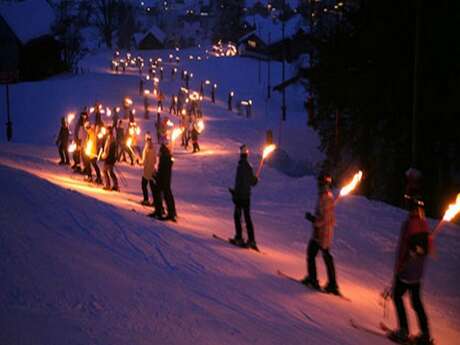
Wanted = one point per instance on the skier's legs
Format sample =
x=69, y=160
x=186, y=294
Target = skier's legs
x=237, y=219
x=61, y=154
x=419, y=309
x=312, y=251
x=105, y=171
x=96, y=169
x=399, y=290
x=113, y=176
x=170, y=204
x=66, y=154
x=248, y=221
x=329, y=261
x=144, y=189
x=157, y=201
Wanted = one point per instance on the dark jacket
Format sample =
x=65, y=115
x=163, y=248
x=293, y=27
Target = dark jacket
x=63, y=136
x=414, y=246
x=164, y=168
x=245, y=179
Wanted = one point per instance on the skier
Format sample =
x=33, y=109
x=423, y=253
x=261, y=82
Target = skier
x=173, y=107
x=110, y=157
x=76, y=156
x=194, y=137
x=149, y=160
x=415, y=244
x=241, y=196
x=323, y=229
x=164, y=182
x=90, y=153
x=62, y=142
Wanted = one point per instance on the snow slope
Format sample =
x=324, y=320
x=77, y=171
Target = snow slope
x=79, y=265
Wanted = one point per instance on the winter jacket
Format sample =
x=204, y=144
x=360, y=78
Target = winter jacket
x=120, y=135
x=149, y=159
x=164, y=168
x=63, y=136
x=415, y=244
x=323, y=225
x=110, y=150
x=245, y=179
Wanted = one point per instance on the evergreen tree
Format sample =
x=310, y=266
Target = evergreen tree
x=362, y=79
x=229, y=23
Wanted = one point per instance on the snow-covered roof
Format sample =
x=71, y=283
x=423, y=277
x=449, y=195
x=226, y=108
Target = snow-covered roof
x=155, y=31
x=28, y=19
x=267, y=26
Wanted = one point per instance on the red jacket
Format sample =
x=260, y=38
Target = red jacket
x=415, y=244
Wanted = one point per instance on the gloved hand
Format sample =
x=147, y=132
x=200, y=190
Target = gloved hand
x=310, y=217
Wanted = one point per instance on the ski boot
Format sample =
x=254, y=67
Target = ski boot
x=252, y=245
x=115, y=189
x=332, y=289
x=422, y=339
x=399, y=336
x=237, y=241
x=307, y=281
x=145, y=203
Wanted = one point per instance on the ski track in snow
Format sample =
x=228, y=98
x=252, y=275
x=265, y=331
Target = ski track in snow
x=77, y=266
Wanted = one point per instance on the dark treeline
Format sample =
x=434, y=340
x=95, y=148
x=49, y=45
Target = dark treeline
x=363, y=85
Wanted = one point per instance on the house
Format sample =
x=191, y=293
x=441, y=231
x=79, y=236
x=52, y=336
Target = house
x=267, y=38
x=154, y=38
x=29, y=49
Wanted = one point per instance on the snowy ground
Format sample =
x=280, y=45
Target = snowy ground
x=79, y=265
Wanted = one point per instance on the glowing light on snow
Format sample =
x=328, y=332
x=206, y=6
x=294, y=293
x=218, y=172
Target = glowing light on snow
x=452, y=210
x=268, y=150
x=352, y=185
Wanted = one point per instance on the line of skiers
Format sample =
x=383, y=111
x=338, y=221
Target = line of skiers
x=415, y=244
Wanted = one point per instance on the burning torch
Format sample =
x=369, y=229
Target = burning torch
x=267, y=152
x=451, y=212
x=347, y=189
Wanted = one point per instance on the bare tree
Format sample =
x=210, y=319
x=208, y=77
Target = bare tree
x=105, y=13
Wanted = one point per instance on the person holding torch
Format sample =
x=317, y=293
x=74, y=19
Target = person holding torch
x=241, y=197
x=62, y=142
x=323, y=222
x=415, y=243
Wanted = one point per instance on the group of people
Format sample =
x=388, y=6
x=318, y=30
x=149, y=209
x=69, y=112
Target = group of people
x=415, y=244
x=94, y=142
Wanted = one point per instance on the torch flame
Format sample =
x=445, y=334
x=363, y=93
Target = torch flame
x=108, y=112
x=70, y=117
x=169, y=123
x=88, y=148
x=352, y=185
x=175, y=133
x=452, y=210
x=268, y=150
x=200, y=125
x=72, y=147
x=129, y=142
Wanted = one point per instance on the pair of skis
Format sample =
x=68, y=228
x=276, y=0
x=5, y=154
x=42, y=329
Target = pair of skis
x=383, y=331
x=229, y=241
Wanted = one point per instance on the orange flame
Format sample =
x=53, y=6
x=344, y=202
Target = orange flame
x=72, y=147
x=89, y=146
x=175, y=133
x=352, y=185
x=268, y=150
x=200, y=126
x=70, y=117
x=129, y=142
x=452, y=210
